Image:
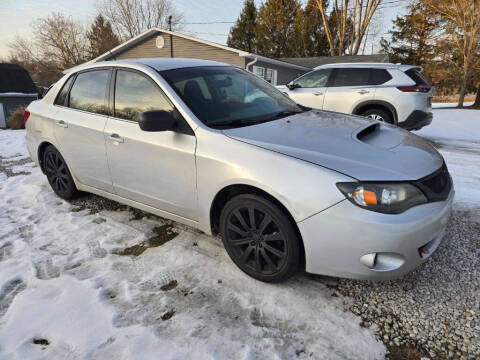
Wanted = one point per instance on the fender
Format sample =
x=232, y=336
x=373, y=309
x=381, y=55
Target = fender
x=378, y=102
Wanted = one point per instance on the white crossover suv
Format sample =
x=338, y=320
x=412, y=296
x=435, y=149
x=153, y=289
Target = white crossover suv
x=397, y=94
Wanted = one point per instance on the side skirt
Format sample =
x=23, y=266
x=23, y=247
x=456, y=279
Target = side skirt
x=147, y=208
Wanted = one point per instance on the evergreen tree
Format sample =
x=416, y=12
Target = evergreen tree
x=311, y=37
x=243, y=34
x=412, y=36
x=101, y=37
x=277, y=34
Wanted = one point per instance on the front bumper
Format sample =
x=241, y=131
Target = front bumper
x=336, y=239
x=416, y=120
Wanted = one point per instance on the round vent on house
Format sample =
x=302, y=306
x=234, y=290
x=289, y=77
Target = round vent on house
x=160, y=42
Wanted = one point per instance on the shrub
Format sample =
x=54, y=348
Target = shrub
x=15, y=121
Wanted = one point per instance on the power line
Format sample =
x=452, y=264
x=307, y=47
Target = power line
x=349, y=8
x=204, y=33
x=207, y=23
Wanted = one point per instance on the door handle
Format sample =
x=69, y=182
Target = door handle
x=363, y=92
x=116, y=138
x=317, y=93
x=61, y=123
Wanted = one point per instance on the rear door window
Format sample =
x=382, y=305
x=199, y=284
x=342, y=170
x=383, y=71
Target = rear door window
x=88, y=92
x=351, y=77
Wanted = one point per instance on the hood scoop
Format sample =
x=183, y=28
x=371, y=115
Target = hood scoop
x=380, y=135
x=365, y=132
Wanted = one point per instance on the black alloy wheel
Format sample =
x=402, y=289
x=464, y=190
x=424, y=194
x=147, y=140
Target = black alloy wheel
x=259, y=238
x=57, y=173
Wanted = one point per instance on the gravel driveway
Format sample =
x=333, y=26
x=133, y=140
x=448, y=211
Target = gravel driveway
x=434, y=310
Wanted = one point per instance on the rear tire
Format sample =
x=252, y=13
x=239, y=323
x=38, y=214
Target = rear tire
x=260, y=238
x=379, y=114
x=58, y=174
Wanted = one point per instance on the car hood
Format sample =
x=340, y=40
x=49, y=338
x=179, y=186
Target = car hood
x=355, y=146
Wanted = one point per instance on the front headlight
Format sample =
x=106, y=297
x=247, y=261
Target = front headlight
x=389, y=198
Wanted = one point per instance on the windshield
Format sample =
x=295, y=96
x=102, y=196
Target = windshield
x=225, y=96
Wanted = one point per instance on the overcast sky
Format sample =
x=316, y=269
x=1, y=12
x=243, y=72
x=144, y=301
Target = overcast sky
x=16, y=16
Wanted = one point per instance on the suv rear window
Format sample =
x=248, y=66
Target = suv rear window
x=360, y=77
x=416, y=76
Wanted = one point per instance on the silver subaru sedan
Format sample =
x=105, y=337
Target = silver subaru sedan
x=219, y=149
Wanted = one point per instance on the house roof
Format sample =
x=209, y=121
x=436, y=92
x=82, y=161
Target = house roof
x=15, y=79
x=151, y=32
x=313, y=62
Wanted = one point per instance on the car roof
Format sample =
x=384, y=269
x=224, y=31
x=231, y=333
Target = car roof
x=380, y=65
x=159, y=64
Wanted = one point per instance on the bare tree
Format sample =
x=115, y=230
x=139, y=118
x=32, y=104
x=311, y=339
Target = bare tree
x=463, y=27
x=57, y=43
x=354, y=17
x=56, y=38
x=131, y=17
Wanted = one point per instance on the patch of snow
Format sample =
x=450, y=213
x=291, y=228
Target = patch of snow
x=456, y=134
x=25, y=168
x=12, y=144
x=443, y=105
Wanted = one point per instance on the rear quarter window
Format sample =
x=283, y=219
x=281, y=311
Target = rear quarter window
x=62, y=95
x=379, y=76
x=416, y=76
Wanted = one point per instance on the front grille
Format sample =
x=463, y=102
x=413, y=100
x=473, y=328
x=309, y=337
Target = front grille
x=437, y=185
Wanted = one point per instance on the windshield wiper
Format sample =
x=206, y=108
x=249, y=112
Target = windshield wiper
x=247, y=122
x=235, y=123
x=282, y=114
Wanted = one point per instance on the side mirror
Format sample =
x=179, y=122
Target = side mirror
x=292, y=86
x=157, y=120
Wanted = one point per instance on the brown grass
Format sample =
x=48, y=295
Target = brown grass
x=452, y=98
x=405, y=352
x=15, y=121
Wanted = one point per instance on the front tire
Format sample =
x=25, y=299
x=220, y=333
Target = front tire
x=379, y=114
x=260, y=238
x=58, y=174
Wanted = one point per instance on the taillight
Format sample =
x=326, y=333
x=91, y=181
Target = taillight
x=416, y=88
x=26, y=115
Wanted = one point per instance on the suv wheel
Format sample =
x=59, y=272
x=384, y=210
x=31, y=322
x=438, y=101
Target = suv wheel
x=378, y=114
x=57, y=173
x=259, y=238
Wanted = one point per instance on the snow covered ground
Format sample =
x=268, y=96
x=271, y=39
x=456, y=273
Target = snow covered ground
x=456, y=134
x=450, y=105
x=64, y=293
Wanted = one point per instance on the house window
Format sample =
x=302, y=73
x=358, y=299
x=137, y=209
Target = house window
x=259, y=71
x=269, y=75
